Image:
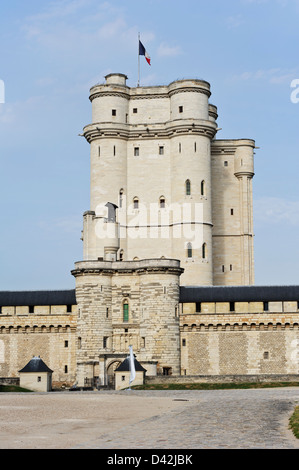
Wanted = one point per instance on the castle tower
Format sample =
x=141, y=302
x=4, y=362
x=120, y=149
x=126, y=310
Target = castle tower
x=169, y=205
x=233, y=169
x=151, y=157
x=190, y=176
x=127, y=303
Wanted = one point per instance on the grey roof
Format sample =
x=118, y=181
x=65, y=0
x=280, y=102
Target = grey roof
x=36, y=365
x=125, y=366
x=239, y=294
x=187, y=294
x=55, y=297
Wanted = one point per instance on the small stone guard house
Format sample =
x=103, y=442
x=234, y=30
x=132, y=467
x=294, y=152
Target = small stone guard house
x=122, y=374
x=168, y=262
x=36, y=376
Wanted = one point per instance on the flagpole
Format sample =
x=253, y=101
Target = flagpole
x=138, y=61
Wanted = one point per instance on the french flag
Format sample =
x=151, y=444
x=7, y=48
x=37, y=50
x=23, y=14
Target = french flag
x=142, y=51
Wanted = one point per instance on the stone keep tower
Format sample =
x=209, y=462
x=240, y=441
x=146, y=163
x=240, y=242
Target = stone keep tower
x=179, y=193
x=167, y=201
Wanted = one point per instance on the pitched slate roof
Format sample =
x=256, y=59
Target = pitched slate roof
x=57, y=297
x=239, y=294
x=36, y=365
x=125, y=366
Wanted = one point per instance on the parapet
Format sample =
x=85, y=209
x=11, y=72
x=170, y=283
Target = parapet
x=171, y=266
x=116, y=79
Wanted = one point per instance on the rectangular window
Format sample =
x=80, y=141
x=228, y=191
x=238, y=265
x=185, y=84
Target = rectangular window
x=113, y=112
x=31, y=308
x=114, y=150
x=231, y=267
x=232, y=212
x=195, y=147
x=105, y=341
x=161, y=150
x=232, y=306
x=181, y=109
x=225, y=163
x=126, y=312
x=222, y=268
x=0, y=310
x=123, y=378
x=135, y=110
x=39, y=379
x=107, y=312
x=65, y=369
x=69, y=308
x=136, y=151
x=99, y=151
x=183, y=342
x=66, y=344
x=266, y=306
x=198, y=307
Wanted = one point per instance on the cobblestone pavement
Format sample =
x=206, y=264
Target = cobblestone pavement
x=228, y=419
x=238, y=419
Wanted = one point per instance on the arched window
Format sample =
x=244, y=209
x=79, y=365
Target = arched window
x=189, y=250
x=162, y=202
x=136, y=203
x=125, y=311
x=204, y=251
x=121, y=196
x=188, y=188
x=202, y=188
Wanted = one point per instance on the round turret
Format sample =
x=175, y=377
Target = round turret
x=244, y=158
x=189, y=99
x=110, y=102
x=116, y=79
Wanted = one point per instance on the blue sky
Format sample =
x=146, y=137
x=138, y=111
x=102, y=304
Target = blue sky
x=52, y=52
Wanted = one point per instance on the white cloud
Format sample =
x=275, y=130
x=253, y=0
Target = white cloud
x=76, y=25
x=276, y=76
x=165, y=50
x=13, y=112
x=59, y=9
x=234, y=21
x=275, y=211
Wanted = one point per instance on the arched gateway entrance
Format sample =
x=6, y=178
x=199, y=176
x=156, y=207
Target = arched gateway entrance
x=111, y=373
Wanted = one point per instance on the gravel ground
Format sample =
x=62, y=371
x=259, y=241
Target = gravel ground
x=226, y=419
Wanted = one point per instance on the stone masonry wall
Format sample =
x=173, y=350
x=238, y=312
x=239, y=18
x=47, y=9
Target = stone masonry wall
x=242, y=344
x=52, y=337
